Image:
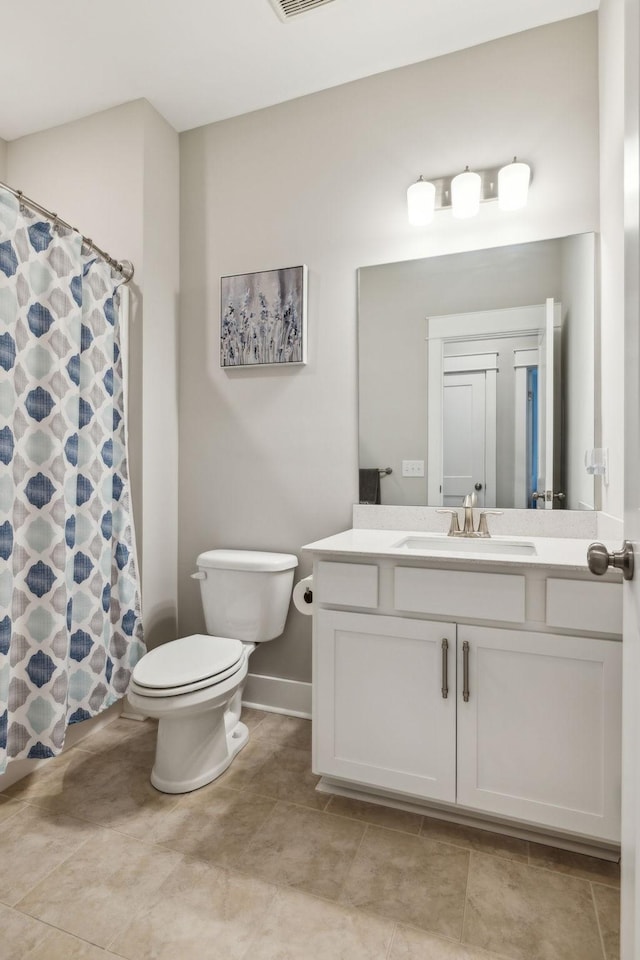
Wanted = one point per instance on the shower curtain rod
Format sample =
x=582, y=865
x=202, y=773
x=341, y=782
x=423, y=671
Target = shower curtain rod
x=125, y=267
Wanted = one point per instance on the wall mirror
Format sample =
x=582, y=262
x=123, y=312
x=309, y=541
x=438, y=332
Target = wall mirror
x=477, y=373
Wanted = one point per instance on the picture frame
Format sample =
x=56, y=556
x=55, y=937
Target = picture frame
x=263, y=318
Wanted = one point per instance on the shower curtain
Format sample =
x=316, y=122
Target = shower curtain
x=70, y=620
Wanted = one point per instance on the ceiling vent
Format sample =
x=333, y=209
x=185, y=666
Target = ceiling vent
x=286, y=9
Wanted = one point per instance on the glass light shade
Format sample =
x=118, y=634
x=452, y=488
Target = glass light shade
x=421, y=199
x=513, y=185
x=465, y=194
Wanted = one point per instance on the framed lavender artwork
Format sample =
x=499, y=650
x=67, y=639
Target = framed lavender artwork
x=263, y=318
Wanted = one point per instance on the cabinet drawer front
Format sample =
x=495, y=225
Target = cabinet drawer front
x=487, y=596
x=349, y=584
x=582, y=605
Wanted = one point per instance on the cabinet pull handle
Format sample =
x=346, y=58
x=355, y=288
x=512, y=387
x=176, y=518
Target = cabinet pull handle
x=445, y=668
x=465, y=671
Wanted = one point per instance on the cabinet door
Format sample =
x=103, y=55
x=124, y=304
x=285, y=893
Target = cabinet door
x=539, y=736
x=380, y=716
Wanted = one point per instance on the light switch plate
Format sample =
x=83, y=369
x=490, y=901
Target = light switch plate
x=413, y=468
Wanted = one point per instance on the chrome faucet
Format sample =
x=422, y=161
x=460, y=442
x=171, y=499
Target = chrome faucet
x=468, y=504
x=468, y=530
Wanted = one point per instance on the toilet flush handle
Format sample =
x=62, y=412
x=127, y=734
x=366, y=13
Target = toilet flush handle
x=200, y=575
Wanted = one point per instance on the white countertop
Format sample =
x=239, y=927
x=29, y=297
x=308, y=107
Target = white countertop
x=566, y=554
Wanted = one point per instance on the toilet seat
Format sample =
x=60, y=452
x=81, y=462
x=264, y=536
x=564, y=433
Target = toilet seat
x=187, y=664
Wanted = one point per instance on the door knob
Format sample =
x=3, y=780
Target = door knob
x=599, y=559
x=478, y=486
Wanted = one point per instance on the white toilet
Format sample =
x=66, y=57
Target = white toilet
x=194, y=685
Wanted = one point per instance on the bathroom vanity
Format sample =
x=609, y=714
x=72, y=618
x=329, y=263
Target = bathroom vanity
x=480, y=679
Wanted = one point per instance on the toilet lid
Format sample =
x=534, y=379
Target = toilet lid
x=187, y=661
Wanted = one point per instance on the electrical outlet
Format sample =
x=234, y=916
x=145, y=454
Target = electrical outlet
x=413, y=468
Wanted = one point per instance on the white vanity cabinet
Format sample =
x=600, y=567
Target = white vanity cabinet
x=385, y=709
x=539, y=735
x=515, y=716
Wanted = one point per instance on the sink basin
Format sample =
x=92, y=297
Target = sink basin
x=489, y=545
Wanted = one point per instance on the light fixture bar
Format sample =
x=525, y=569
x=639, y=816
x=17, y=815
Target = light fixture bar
x=488, y=190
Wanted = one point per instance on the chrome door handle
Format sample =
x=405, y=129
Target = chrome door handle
x=445, y=668
x=465, y=671
x=599, y=559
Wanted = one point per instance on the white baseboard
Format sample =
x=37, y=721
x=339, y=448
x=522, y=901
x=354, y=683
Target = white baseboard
x=277, y=695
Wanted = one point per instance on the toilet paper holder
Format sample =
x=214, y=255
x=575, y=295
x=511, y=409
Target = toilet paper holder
x=308, y=595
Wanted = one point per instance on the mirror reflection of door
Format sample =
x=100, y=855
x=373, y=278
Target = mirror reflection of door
x=493, y=390
x=469, y=430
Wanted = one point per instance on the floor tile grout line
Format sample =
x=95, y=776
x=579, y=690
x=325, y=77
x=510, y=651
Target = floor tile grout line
x=570, y=876
x=53, y=928
x=595, y=909
x=350, y=867
x=489, y=954
x=46, y=876
x=464, y=902
x=257, y=934
x=392, y=940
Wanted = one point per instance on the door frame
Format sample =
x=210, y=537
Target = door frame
x=630, y=892
x=477, y=325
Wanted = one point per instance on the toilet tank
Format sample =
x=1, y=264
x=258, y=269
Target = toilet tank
x=246, y=593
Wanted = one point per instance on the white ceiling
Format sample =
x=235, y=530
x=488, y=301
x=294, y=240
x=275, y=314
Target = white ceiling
x=198, y=61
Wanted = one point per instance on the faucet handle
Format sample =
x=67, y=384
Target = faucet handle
x=454, y=526
x=483, y=529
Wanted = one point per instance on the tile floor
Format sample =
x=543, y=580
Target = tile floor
x=96, y=864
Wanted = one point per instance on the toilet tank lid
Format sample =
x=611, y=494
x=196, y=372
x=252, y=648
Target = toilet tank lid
x=254, y=560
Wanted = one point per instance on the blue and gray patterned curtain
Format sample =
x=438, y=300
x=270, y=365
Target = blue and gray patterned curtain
x=70, y=623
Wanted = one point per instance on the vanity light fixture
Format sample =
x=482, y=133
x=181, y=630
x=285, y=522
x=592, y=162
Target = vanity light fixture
x=466, y=190
x=513, y=185
x=463, y=193
x=421, y=202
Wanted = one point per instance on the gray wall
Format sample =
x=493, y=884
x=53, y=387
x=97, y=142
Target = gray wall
x=3, y=160
x=268, y=459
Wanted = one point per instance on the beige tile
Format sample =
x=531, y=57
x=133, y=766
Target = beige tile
x=411, y=944
x=212, y=824
x=200, y=912
x=62, y=946
x=303, y=848
x=32, y=844
x=246, y=764
x=44, y=785
x=575, y=864
x=471, y=838
x=252, y=717
x=284, y=731
x=107, y=789
x=9, y=808
x=99, y=889
x=299, y=926
x=410, y=879
x=375, y=813
x=133, y=736
x=529, y=914
x=19, y=934
x=608, y=909
x=286, y=775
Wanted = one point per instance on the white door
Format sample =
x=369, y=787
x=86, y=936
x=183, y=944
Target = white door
x=463, y=437
x=557, y=761
x=630, y=933
x=384, y=702
x=546, y=367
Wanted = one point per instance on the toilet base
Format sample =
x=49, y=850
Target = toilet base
x=199, y=759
